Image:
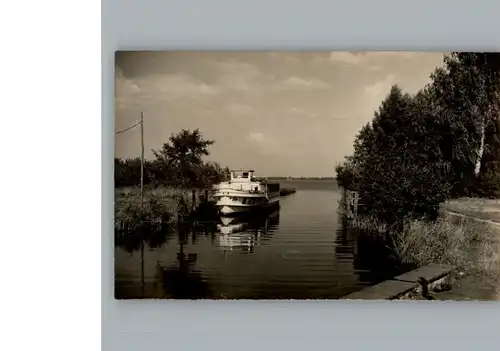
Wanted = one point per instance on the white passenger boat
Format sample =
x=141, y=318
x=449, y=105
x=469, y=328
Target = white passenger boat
x=244, y=193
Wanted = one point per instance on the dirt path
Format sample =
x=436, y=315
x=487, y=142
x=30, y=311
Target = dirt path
x=488, y=221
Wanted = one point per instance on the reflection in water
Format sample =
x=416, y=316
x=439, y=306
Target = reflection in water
x=304, y=250
x=153, y=237
x=146, y=235
x=181, y=280
x=237, y=233
x=372, y=257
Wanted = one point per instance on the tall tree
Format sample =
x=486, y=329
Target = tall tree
x=443, y=141
x=182, y=155
x=465, y=91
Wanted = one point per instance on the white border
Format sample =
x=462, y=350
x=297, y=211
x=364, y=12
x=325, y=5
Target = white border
x=50, y=97
x=50, y=144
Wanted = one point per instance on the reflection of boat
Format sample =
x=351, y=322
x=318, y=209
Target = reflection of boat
x=238, y=240
x=232, y=228
x=244, y=193
x=229, y=220
x=230, y=225
x=244, y=232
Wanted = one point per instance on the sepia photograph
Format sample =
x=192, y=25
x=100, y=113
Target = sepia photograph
x=307, y=175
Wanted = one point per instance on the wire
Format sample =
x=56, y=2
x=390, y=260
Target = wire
x=124, y=130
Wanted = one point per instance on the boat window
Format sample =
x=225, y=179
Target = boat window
x=241, y=174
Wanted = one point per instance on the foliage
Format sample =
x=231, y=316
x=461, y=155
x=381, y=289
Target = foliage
x=422, y=149
x=179, y=163
x=452, y=243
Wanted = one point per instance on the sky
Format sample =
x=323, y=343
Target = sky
x=280, y=113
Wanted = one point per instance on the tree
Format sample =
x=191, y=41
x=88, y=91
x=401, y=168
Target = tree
x=182, y=156
x=466, y=91
x=442, y=142
x=179, y=163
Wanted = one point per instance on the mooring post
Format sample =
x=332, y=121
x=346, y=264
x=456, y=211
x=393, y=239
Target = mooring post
x=193, y=198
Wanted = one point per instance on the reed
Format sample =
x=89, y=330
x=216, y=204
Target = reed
x=160, y=207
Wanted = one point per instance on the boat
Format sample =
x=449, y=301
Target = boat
x=244, y=193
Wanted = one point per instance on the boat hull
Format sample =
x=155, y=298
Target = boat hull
x=243, y=196
x=240, y=210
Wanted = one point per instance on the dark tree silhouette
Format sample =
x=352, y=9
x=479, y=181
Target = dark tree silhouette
x=440, y=143
x=179, y=163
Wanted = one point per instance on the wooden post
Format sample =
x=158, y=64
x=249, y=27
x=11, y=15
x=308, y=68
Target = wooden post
x=356, y=200
x=206, y=195
x=351, y=204
x=193, y=197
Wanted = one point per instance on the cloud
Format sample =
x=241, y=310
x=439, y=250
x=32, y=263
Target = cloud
x=370, y=60
x=285, y=57
x=178, y=86
x=256, y=136
x=301, y=112
x=239, y=109
x=239, y=75
x=350, y=58
x=377, y=91
x=126, y=90
x=359, y=58
x=296, y=83
x=159, y=87
x=124, y=85
x=267, y=145
x=245, y=77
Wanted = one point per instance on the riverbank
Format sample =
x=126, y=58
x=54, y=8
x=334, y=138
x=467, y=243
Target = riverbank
x=162, y=205
x=482, y=217
x=410, y=285
x=465, y=236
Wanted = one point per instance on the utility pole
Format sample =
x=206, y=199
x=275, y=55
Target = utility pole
x=142, y=202
x=142, y=192
x=142, y=161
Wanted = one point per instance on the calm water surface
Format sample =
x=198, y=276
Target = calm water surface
x=301, y=251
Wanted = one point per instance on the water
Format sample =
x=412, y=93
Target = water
x=301, y=251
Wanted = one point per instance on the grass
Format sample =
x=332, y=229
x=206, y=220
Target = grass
x=369, y=224
x=473, y=249
x=470, y=245
x=160, y=207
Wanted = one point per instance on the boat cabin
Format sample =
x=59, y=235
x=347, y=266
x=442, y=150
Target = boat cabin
x=243, y=179
x=242, y=175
